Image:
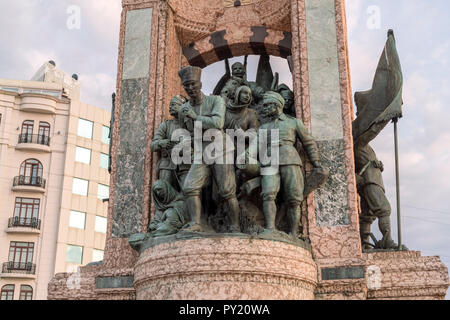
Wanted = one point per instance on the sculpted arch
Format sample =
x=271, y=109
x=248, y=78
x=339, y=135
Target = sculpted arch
x=234, y=42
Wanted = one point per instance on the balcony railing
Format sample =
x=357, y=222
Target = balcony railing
x=19, y=267
x=34, y=138
x=33, y=223
x=29, y=181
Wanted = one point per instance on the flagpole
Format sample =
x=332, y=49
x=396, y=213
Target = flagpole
x=397, y=178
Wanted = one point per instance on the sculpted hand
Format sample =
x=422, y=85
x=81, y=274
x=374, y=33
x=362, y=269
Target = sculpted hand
x=191, y=114
x=164, y=144
x=184, y=111
x=379, y=165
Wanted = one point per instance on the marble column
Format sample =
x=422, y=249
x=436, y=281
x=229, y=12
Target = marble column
x=130, y=159
x=326, y=113
x=321, y=80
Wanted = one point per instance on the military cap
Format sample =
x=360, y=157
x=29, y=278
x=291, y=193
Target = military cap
x=190, y=73
x=275, y=97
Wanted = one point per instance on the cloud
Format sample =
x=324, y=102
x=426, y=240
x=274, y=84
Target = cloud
x=353, y=12
x=103, y=16
x=95, y=87
x=424, y=133
x=441, y=53
x=34, y=59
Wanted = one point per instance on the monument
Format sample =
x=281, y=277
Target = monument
x=269, y=207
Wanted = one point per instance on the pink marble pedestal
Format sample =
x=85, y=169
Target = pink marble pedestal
x=233, y=268
x=226, y=269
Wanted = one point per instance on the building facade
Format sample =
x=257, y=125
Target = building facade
x=53, y=179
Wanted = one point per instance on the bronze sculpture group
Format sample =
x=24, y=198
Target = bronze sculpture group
x=191, y=198
x=257, y=197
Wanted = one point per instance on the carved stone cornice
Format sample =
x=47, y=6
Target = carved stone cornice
x=275, y=15
x=195, y=19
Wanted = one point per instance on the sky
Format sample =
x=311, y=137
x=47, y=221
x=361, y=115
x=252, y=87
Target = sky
x=422, y=30
x=35, y=31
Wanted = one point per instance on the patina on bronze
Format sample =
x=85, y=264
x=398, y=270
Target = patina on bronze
x=210, y=111
x=375, y=109
x=163, y=144
x=289, y=176
x=171, y=212
x=201, y=198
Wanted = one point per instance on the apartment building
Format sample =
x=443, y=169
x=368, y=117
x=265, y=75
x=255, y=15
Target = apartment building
x=53, y=179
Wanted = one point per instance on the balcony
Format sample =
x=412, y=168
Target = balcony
x=24, y=225
x=29, y=184
x=36, y=103
x=33, y=142
x=18, y=270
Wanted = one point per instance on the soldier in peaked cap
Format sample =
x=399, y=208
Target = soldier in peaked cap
x=210, y=111
x=289, y=176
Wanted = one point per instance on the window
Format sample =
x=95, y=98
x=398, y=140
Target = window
x=26, y=292
x=104, y=161
x=105, y=135
x=83, y=155
x=77, y=220
x=100, y=224
x=8, y=292
x=74, y=254
x=44, y=133
x=85, y=128
x=80, y=187
x=21, y=255
x=32, y=169
x=103, y=192
x=27, y=131
x=97, y=255
x=26, y=211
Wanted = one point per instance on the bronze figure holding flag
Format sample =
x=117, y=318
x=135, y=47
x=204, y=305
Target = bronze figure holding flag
x=375, y=109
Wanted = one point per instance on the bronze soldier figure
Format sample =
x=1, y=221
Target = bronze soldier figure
x=375, y=108
x=288, y=96
x=239, y=73
x=374, y=203
x=289, y=176
x=167, y=170
x=210, y=111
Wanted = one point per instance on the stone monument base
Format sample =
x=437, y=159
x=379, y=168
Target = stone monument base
x=395, y=275
x=225, y=268
x=233, y=267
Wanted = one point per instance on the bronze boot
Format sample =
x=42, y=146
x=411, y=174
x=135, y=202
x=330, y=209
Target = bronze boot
x=364, y=232
x=194, y=206
x=294, y=215
x=270, y=212
x=384, y=223
x=234, y=212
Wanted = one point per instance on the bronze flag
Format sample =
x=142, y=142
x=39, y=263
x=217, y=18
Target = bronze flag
x=384, y=101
